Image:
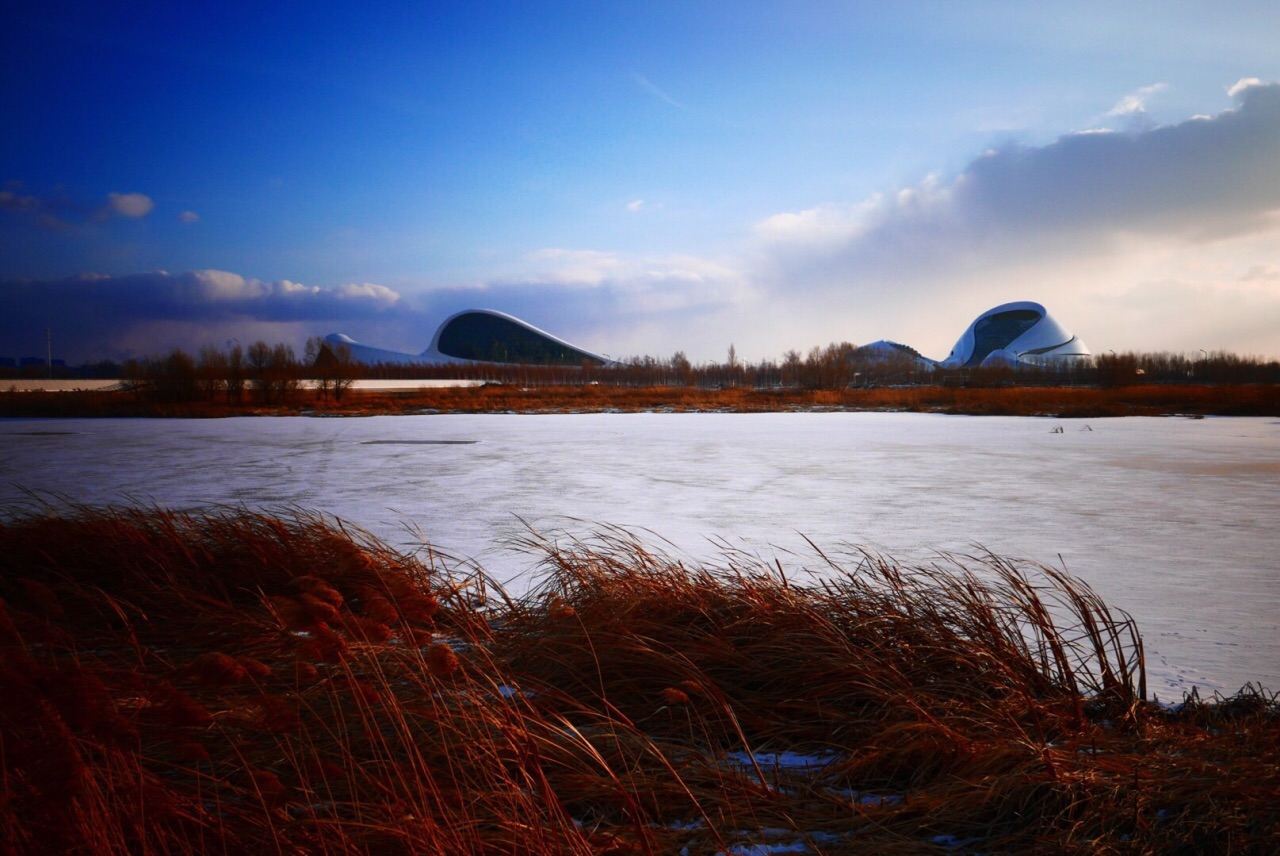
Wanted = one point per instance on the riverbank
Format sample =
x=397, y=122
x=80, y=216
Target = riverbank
x=241, y=682
x=1063, y=402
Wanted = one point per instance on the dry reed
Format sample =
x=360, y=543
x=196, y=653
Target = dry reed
x=1062, y=401
x=241, y=682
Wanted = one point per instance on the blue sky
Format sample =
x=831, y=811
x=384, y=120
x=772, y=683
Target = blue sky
x=639, y=177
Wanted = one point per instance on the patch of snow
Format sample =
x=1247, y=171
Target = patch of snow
x=782, y=760
x=867, y=798
x=952, y=842
x=826, y=837
x=687, y=825
x=765, y=849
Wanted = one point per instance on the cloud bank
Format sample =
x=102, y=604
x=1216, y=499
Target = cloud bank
x=96, y=317
x=1198, y=180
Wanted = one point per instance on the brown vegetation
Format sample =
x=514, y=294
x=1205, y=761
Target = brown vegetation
x=236, y=682
x=1062, y=401
x=269, y=380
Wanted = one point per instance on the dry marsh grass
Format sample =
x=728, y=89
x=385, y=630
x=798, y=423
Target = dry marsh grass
x=240, y=682
x=1064, y=401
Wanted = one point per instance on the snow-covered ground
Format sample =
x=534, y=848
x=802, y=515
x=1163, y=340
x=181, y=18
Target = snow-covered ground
x=1172, y=519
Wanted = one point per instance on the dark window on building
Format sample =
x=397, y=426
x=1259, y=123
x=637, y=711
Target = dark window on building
x=998, y=331
x=490, y=338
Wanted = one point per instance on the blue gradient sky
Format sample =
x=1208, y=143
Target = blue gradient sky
x=617, y=173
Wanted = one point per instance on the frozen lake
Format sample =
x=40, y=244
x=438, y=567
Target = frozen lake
x=1174, y=520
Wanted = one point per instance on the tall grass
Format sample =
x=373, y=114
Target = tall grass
x=1065, y=401
x=240, y=682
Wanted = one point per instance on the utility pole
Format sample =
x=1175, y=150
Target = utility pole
x=48, y=351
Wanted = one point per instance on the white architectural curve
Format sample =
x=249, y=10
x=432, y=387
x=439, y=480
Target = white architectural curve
x=454, y=345
x=1021, y=333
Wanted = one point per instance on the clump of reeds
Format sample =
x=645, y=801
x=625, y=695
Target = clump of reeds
x=1063, y=401
x=244, y=682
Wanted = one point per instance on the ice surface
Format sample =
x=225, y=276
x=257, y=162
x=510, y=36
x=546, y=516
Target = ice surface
x=766, y=849
x=1172, y=519
x=782, y=760
x=952, y=842
x=868, y=798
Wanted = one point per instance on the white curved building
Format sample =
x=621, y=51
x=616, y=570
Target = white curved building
x=479, y=336
x=1022, y=333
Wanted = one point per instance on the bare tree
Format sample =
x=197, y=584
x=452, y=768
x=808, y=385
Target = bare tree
x=211, y=372
x=235, y=374
x=335, y=369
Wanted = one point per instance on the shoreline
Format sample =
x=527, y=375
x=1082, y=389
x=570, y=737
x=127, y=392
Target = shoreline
x=1052, y=402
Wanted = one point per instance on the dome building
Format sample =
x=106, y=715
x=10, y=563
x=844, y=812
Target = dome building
x=1015, y=334
x=479, y=336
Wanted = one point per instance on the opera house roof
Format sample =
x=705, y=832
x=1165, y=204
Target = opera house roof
x=1013, y=334
x=480, y=336
x=1021, y=333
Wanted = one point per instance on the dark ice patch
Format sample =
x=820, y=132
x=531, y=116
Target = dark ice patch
x=40, y=433
x=419, y=442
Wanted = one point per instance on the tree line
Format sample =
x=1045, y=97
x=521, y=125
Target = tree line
x=261, y=374
x=274, y=374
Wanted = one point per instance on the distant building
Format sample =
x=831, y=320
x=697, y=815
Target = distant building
x=479, y=336
x=1012, y=334
x=31, y=361
x=1015, y=334
x=8, y=363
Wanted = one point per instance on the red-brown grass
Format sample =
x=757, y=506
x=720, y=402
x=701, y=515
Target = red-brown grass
x=238, y=682
x=1063, y=401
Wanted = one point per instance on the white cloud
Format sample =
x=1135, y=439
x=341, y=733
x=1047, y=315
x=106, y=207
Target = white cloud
x=188, y=217
x=1242, y=84
x=286, y=286
x=565, y=267
x=1197, y=180
x=592, y=285
x=821, y=225
x=830, y=226
x=635, y=205
x=225, y=286
x=130, y=205
x=217, y=285
x=378, y=294
x=1136, y=101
